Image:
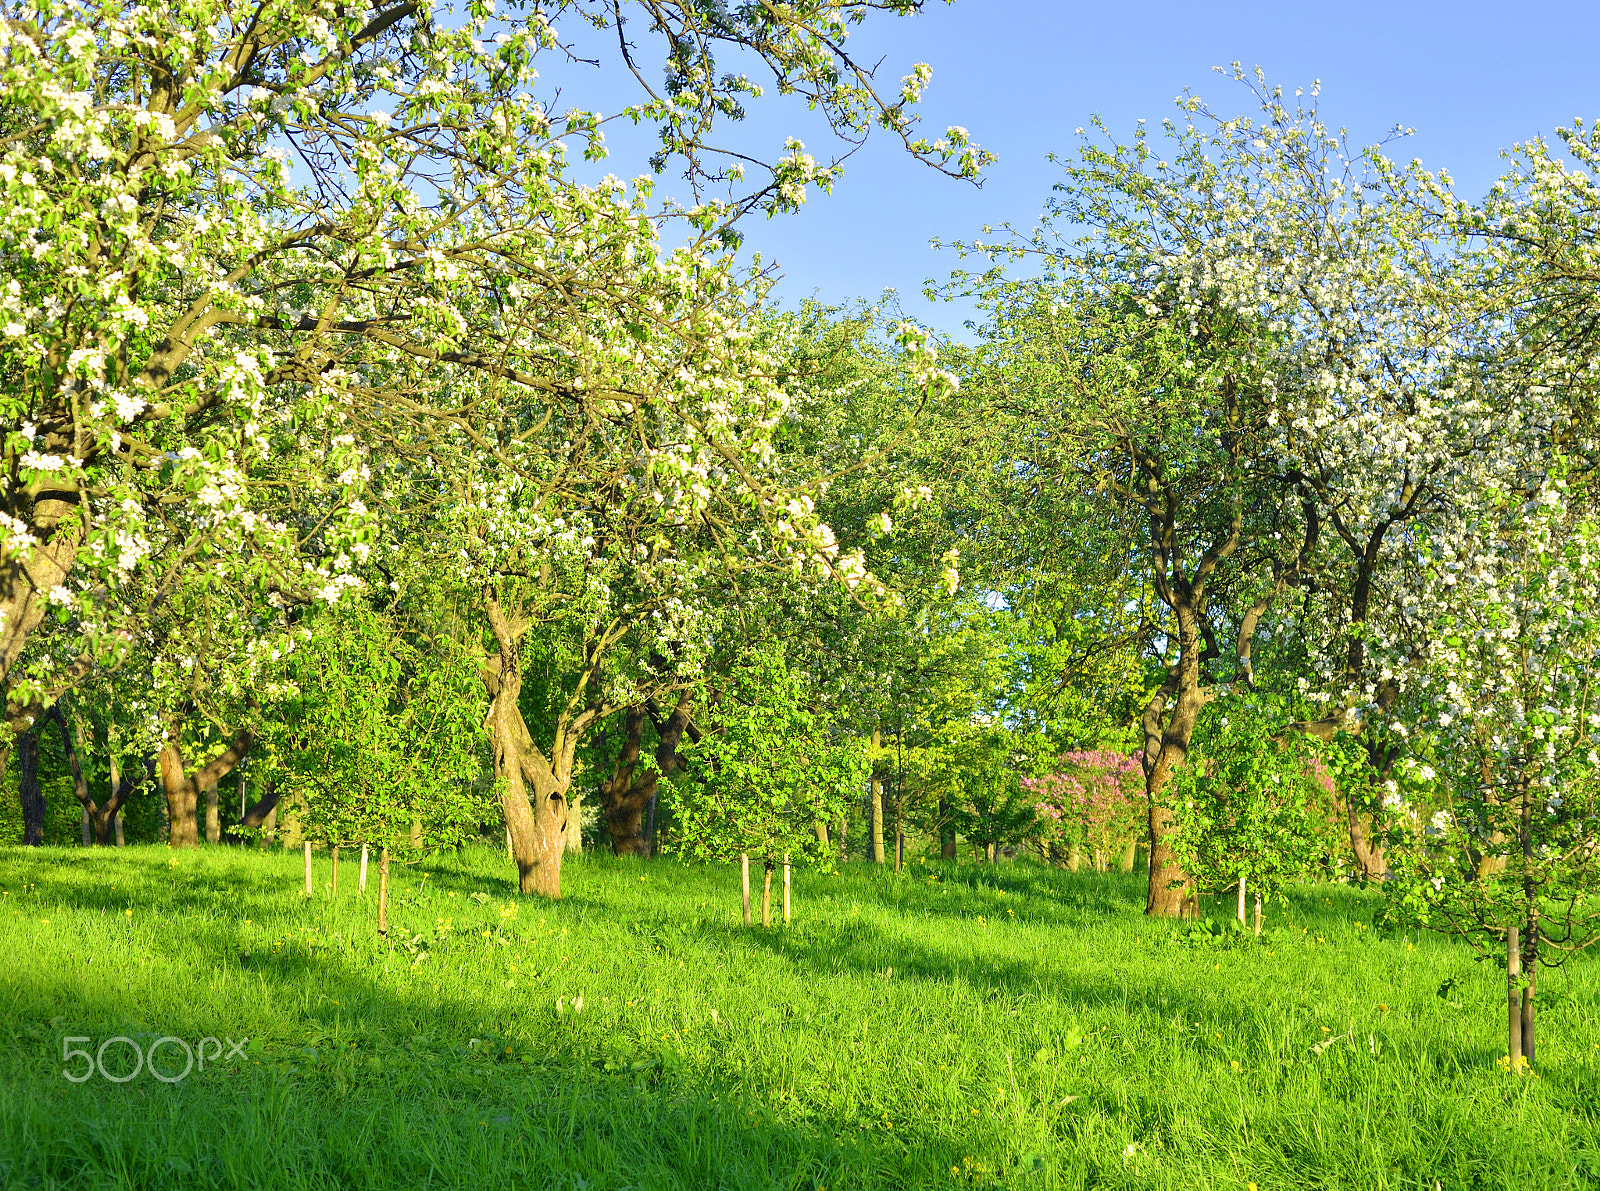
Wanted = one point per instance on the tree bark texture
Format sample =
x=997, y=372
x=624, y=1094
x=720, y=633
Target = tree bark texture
x=533, y=786
x=182, y=788
x=947, y=834
x=1514, y=998
x=1169, y=721
x=629, y=795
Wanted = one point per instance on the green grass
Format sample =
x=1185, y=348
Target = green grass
x=1006, y=1026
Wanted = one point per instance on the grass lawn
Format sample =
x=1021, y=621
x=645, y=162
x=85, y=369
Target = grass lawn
x=972, y=1026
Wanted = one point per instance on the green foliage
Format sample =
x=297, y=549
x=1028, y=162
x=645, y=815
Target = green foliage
x=1253, y=801
x=374, y=731
x=988, y=803
x=760, y=781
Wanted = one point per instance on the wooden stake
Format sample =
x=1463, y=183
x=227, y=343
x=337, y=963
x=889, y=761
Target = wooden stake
x=1241, y=901
x=786, y=888
x=766, y=894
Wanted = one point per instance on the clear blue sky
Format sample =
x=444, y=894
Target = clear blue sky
x=1471, y=78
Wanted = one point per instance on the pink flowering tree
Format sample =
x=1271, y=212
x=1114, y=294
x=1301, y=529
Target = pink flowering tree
x=1089, y=807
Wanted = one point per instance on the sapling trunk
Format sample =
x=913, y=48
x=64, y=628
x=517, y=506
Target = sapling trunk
x=786, y=888
x=877, y=822
x=361, y=884
x=308, y=868
x=744, y=883
x=1241, y=900
x=1530, y=965
x=766, y=893
x=383, y=891
x=1258, y=913
x=334, y=885
x=1513, y=998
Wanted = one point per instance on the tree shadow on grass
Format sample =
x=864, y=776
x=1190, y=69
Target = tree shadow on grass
x=408, y=1092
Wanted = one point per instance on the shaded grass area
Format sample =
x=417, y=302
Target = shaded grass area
x=972, y=1026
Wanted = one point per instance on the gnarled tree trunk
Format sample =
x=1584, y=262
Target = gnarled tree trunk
x=533, y=787
x=628, y=795
x=183, y=788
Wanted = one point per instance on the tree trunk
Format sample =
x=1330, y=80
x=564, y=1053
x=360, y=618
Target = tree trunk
x=1169, y=721
x=118, y=818
x=821, y=829
x=334, y=878
x=744, y=883
x=947, y=834
x=573, y=839
x=414, y=840
x=1258, y=913
x=213, y=816
x=383, y=891
x=32, y=797
x=786, y=888
x=1241, y=901
x=629, y=797
x=308, y=867
x=27, y=574
x=361, y=882
x=537, y=824
x=990, y=851
x=1130, y=853
x=1369, y=857
x=877, y=821
x=182, y=830
x=1514, y=999
x=97, y=824
x=182, y=788
x=625, y=795
x=766, y=893
x=1530, y=983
